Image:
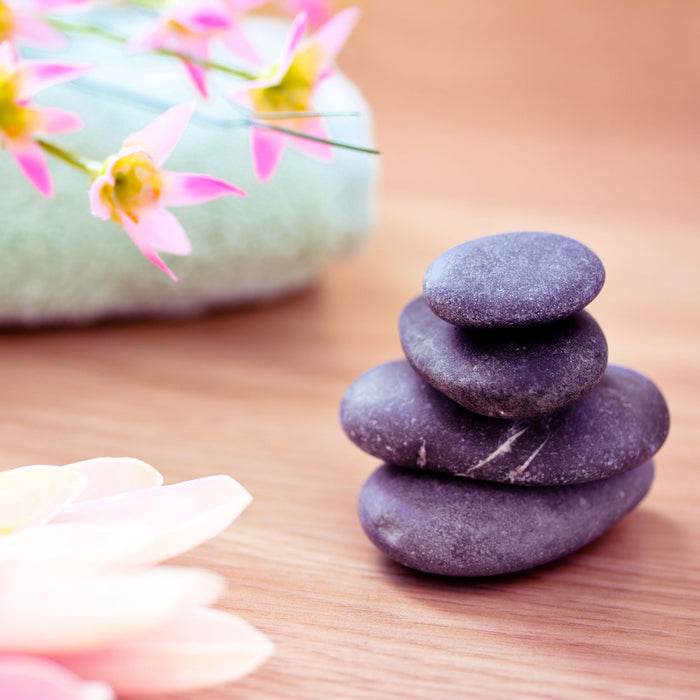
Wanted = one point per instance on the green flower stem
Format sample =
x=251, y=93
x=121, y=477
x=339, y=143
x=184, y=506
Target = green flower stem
x=91, y=167
x=71, y=28
x=300, y=134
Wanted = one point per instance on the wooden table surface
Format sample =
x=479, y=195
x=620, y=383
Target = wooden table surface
x=577, y=117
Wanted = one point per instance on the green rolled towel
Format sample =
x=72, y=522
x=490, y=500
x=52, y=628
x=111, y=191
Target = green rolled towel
x=60, y=264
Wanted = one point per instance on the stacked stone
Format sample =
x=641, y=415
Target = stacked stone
x=508, y=442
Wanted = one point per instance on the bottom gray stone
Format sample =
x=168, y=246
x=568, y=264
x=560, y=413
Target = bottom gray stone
x=454, y=526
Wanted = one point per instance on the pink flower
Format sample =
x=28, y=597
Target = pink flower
x=78, y=585
x=19, y=22
x=23, y=677
x=189, y=27
x=133, y=189
x=290, y=87
x=318, y=11
x=21, y=122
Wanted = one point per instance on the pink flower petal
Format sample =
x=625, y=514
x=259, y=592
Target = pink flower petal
x=318, y=11
x=31, y=161
x=198, y=74
x=237, y=43
x=333, y=34
x=35, y=678
x=97, y=206
x=8, y=57
x=33, y=76
x=140, y=237
x=30, y=496
x=38, y=33
x=184, y=189
x=198, y=649
x=180, y=516
x=58, y=121
x=75, y=546
x=201, y=16
x=160, y=137
x=267, y=147
x=110, y=476
x=149, y=39
x=162, y=231
x=68, y=612
x=293, y=39
x=313, y=126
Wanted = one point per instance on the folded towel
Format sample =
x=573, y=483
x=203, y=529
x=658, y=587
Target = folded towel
x=60, y=264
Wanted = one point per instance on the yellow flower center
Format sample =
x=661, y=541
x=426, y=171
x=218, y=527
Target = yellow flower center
x=137, y=184
x=15, y=120
x=7, y=23
x=293, y=92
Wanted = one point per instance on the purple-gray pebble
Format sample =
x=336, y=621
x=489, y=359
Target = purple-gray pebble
x=513, y=279
x=452, y=526
x=392, y=414
x=511, y=373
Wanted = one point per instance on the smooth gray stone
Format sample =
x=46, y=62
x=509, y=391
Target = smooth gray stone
x=447, y=525
x=513, y=373
x=391, y=413
x=513, y=279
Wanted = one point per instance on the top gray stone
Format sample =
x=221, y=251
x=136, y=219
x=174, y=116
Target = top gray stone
x=512, y=279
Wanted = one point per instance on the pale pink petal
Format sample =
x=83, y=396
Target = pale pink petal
x=184, y=189
x=30, y=496
x=110, y=476
x=160, y=137
x=31, y=161
x=97, y=206
x=68, y=612
x=162, y=231
x=318, y=11
x=58, y=121
x=291, y=44
x=268, y=147
x=201, y=16
x=33, y=76
x=150, y=39
x=313, y=126
x=8, y=57
x=75, y=546
x=181, y=516
x=34, y=678
x=139, y=236
x=198, y=649
x=333, y=34
x=237, y=43
x=38, y=33
x=198, y=74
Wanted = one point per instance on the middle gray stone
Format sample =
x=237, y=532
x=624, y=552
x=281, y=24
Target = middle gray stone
x=391, y=413
x=510, y=373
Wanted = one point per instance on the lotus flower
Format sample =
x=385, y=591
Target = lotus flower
x=21, y=122
x=133, y=190
x=78, y=587
x=290, y=87
x=25, y=677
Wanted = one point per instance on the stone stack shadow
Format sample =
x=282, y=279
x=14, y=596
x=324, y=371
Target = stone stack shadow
x=507, y=439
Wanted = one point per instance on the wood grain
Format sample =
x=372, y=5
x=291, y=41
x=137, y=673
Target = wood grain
x=577, y=117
